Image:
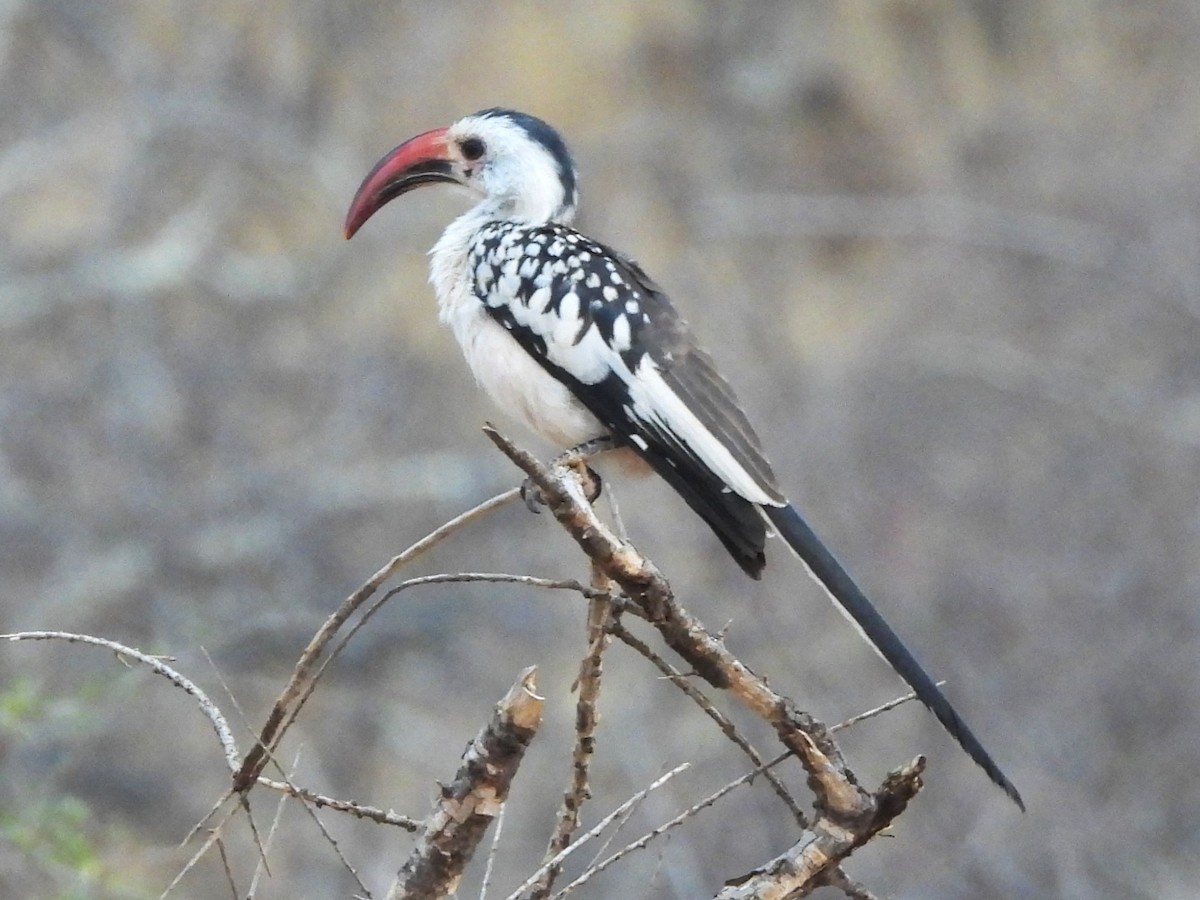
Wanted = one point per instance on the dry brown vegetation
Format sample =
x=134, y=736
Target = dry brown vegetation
x=948, y=252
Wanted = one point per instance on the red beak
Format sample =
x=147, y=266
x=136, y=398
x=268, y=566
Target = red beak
x=424, y=159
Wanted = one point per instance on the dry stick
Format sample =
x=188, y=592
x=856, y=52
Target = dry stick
x=290, y=789
x=688, y=813
x=228, y=871
x=213, y=836
x=469, y=803
x=486, y=883
x=835, y=787
x=847, y=815
x=727, y=727
x=599, y=827
x=312, y=814
x=293, y=790
x=226, y=740
x=879, y=710
x=852, y=889
x=220, y=726
x=261, y=868
x=389, y=817
x=274, y=728
x=358, y=810
x=600, y=611
x=213, y=810
x=442, y=578
x=243, y=800
x=332, y=841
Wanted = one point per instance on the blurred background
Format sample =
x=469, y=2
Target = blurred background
x=949, y=253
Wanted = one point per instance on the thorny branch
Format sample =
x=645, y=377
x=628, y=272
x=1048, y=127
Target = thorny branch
x=601, y=614
x=846, y=814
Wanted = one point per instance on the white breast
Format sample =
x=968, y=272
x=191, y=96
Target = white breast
x=514, y=380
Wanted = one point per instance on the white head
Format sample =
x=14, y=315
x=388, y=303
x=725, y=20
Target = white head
x=515, y=163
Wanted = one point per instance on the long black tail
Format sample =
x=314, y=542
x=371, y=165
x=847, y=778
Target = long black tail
x=841, y=587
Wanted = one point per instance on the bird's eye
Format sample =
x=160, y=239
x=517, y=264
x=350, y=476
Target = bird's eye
x=471, y=149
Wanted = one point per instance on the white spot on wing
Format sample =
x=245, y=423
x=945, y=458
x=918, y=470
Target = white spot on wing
x=506, y=289
x=621, y=338
x=569, y=322
x=538, y=300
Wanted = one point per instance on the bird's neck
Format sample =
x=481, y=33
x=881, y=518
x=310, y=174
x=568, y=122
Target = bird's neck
x=448, y=267
x=448, y=260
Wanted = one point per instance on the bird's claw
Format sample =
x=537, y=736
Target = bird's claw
x=589, y=480
x=533, y=496
x=593, y=485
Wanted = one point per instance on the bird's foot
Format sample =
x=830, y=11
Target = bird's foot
x=586, y=450
x=576, y=459
x=589, y=479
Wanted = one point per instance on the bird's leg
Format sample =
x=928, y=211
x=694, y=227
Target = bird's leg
x=576, y=458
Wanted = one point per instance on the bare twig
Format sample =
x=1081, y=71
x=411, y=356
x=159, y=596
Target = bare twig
x=358, y=810
x=877, y=711
x=442, y=578
x=600, y=611
x=492, y=852
x=688, y=813
x=261, y=868
x=233, y=890
x=460, y=578
x=597, y=829
x=220, y=726
x=852, y=889
x=201, y=851
x=311, y=811
x=723, y=722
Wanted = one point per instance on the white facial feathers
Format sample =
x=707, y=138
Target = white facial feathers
x=517, y=176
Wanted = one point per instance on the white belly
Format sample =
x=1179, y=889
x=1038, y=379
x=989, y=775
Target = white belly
x=515, y=380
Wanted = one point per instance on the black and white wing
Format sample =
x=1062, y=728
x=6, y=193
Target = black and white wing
x=597, y=323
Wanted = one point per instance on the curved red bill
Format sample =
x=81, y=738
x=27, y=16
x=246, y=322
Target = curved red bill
x=424, y=159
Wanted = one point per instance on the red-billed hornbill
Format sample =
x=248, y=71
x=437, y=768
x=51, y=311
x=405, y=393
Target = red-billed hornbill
x=575, y=339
